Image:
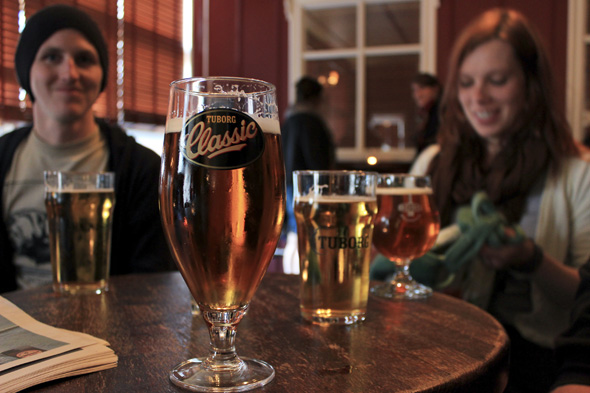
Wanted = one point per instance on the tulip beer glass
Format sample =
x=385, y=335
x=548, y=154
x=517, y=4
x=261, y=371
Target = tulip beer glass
x=406, y=227
x=222, y=201
x=335, y=211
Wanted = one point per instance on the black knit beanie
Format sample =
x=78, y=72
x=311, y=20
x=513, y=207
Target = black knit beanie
x=42, y=25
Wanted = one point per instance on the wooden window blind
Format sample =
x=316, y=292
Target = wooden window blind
x=153, y=57
x=151, y=36
x=9, y=87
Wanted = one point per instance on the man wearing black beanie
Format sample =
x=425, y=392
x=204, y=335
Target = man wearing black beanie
x=62, y=63
x=46, y=22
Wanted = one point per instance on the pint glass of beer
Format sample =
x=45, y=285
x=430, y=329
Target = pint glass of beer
x=80, y=218
x=222, y=202
x=406, y=227
x=335, y=211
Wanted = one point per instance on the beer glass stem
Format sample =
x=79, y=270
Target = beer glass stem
x=223, y=370
x=223, y=356
x=222, y=334
x=402, y=274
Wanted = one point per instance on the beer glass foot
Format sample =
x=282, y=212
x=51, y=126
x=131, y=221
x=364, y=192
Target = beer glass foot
x=402, y=291
x=195, y=375
x=403, y=286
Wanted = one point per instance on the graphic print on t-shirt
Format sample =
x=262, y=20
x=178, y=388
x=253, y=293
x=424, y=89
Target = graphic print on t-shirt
x=28, y=232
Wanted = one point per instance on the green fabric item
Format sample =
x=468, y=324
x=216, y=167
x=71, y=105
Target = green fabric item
x=381, y=268
x=478, y=224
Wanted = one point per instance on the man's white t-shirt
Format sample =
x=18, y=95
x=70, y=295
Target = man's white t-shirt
x=24, y=206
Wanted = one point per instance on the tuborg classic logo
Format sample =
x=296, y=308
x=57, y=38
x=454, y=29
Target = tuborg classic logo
x=321, y=243
x=222, y=139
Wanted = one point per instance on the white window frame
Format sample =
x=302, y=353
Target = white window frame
x=425, y=49
x=576, y=66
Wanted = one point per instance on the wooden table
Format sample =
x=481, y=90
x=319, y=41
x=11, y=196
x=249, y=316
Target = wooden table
x=438, y=345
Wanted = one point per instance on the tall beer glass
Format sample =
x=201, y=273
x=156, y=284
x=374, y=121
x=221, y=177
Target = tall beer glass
x=406, y=227
x=335, y=211
x=222, y=201
x=80, y=218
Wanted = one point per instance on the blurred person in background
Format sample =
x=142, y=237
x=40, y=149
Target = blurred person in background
x=307, y=145
x=426, y=92
x=62, y=63
x=502, y=133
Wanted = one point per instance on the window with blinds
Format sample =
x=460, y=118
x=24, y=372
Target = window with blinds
x=9, y=101
x=144, y=38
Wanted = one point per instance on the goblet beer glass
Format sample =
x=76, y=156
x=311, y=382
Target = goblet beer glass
x=222, y=201
x=406, y=227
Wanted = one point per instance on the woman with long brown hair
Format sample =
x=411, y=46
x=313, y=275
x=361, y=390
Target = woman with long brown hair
x=502, y=133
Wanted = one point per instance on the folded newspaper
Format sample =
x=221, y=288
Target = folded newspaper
x=32, y=352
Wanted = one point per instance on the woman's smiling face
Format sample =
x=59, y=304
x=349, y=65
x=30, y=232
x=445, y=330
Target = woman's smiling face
x=491, y=89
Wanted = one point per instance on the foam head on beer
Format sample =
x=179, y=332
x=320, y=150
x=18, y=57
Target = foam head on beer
x=272, y=126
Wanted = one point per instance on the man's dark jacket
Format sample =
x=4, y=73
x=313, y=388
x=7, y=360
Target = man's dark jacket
x=572, y=348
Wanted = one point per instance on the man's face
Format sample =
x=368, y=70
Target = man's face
x=424, y=95
x=66, y=76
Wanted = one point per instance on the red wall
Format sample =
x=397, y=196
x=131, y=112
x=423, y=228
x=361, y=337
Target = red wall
x=246, y=38
x=250, y=37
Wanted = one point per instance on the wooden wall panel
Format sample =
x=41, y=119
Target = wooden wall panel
x=225, y=37
x=265, y=45
x=197, y=54
x=250, y=39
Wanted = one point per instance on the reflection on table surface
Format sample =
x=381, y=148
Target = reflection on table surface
x=441, y=344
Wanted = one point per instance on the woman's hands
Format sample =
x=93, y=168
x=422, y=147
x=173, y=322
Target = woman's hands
x=556, y=279
x=525, y=256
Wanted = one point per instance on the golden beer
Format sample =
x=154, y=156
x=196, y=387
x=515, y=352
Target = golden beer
x=80, y=226
x=222, y=225
x=406, y=226
x=334, y=235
